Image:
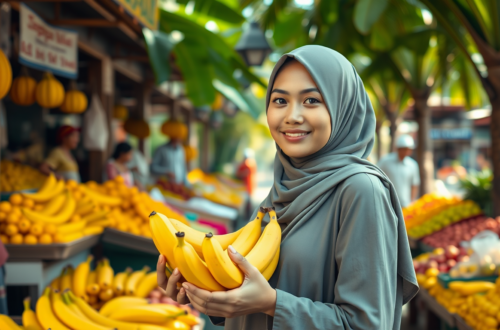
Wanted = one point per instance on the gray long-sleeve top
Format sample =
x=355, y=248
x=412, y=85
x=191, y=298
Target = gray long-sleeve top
x=170, y=159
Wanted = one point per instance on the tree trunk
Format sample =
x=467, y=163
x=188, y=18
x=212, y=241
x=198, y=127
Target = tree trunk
x=393, y=128
x=379, y=143
x=424, y=147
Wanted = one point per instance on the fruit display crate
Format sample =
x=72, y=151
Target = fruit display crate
x=5, y=195
x=445, y=279
x=56, y=251
x=128, y=240
x=461, y=324
x=436, y=307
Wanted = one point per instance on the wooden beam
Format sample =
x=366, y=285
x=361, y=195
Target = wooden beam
x=45, y=1
x=85, y=22
x=137, y=58
x=101, y=10
x=128, y=72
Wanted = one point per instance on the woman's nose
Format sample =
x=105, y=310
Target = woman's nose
x=294, y=114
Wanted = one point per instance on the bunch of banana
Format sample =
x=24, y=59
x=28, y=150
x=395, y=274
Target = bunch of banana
x=59, y=212
x=203, y=259
x=15, y=177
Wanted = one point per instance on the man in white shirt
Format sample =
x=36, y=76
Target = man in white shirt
x=169, y=160
x=402, y=170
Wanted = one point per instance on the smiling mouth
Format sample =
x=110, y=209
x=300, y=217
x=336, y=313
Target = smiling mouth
x=295, y=134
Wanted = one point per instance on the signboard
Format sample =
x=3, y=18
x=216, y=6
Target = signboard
x=451, y=134
x=145, y=11
x=47, y=48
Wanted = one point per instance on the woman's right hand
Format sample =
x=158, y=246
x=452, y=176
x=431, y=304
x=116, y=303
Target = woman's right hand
x=169, y=285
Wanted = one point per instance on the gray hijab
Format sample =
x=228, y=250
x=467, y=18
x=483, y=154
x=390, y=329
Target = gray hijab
x=312, y=178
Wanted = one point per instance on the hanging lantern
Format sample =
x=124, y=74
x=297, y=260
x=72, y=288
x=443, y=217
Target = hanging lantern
x=23, y=89
x=74, y=100
x=218, y=102
x=202, y=113
x=137, y=127
x=120, y=112
x=216, y=119
x=5, y=74
x=49, y=92
x=174, y=129
x=253, y=46
x=190, y=152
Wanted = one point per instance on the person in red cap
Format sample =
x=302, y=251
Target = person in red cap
x=60, y=160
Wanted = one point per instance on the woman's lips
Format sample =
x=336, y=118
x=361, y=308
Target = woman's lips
x=295, y=136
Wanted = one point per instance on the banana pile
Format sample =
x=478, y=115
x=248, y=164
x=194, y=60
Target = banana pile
x=15, y=177
x=65, y=311
x=203, y=259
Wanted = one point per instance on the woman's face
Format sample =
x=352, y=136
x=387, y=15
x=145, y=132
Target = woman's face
x=72, y=140
x=125, y=157
x=297, y=115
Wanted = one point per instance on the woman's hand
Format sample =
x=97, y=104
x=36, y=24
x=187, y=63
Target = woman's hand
x=169, y=285
x=255, y=295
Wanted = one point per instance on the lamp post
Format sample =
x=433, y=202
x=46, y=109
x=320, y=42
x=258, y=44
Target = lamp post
x=253, y=46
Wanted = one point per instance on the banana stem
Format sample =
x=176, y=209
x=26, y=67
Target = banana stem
x=27, y=302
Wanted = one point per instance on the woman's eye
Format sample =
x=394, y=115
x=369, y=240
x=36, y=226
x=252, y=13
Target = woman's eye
x=279, y=100
x=311, y=100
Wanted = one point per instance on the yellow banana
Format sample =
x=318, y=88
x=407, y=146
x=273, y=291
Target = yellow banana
x=269, y=271
x=168, y=308
x=195, y=237
x=121, y=302
x=269, y=242
x=58, y=238
x=92, y=287
x=144, y=314
x=119, y=281
x=7, y=323
x=93, y=230
x=176, y=324
x=250, y=234
x=45, y=315
x=48, y=194
x=101, y=199
x=63, y=215
x=67, y=278
x=134, y=279
x=188, y=319
x=163, y=236
x=84, y=209
x=54, y=205
x=220, y=265
x=30, y=322
x=49, y=184
x=93, y=315
x=71, y=227
x=105, y=275
x=106, y=294
x=68, y=317
x=55, y=284
x=80, y=277
x=191, y=266
x=146, y=285
x=95, y=216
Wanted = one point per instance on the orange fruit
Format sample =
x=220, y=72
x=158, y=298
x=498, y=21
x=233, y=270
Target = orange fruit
x=71, y=184
x=3, y=216
x=77, y=195
x=30, y=239
x=17, y=239
x=4, y=239
x=2, y=227
x=75, y=218
x=45, y=239
x=39, y=207
x=36, y=229
x=119, y=179
x=11, y=230
x=28, y=203
x=122, y=226
x=5, y=207
x=50, y=229
x=16, y=199
x=16, y=210
x=13, y=218
x=24, y=226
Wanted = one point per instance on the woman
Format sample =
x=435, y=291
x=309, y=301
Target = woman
x=117, y=165
x=60, y=159
x=345, y=262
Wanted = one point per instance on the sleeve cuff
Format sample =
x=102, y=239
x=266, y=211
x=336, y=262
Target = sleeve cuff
x=281, y=312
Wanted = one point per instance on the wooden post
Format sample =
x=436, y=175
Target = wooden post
x=144, y=109
x=205, y=144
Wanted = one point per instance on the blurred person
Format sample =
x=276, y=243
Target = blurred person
x=140, y=169
x=247, y=171
x=117, y=165
x=60, y=160
x=483, y=164
x=402, y=170
x=170, y=160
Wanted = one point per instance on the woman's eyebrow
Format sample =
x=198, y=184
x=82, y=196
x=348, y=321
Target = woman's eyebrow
x=309, y=90
x=281, y=91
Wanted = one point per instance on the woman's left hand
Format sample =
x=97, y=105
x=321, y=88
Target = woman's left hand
x=255, y=295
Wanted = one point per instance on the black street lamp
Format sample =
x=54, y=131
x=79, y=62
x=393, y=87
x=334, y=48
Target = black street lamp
x=253, y=46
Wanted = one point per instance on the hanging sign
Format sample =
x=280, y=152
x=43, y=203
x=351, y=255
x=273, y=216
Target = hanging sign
x=47, y=48
x=145, y=11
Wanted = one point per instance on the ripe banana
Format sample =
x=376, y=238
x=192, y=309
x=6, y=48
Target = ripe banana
x=121, y=302
x=85, y=208
x=195, y=237
x=220, y=265
x=80, y=277
x=54, y=205
x=45, y=315
x=101, y=199
x=93, y=315
x=95, y=216
x=64, y=214
x=67, y=278
x=68, y=317
x=7, y=323
x=55, y=284
x=92, y=287
x=93, y=230
x=105, y=275
x=269, y=242
x=191, y=266
x=58, y=238
x=48, y=194
x=106, y=294
x=133, y=280
x=30, y=322
x=71, y=227
x=119, y=281
x=269, y=271
x=144, y=314
x=176, y=324
x=250, y=234
x=48, y=184
x=164, y=237
x=146, y=285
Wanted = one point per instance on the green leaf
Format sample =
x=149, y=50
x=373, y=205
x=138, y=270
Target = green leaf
x=216, y=9
x=367, y=12
x=288, y=27
x=381, y=38
x=242, y=101
x=159, y=46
